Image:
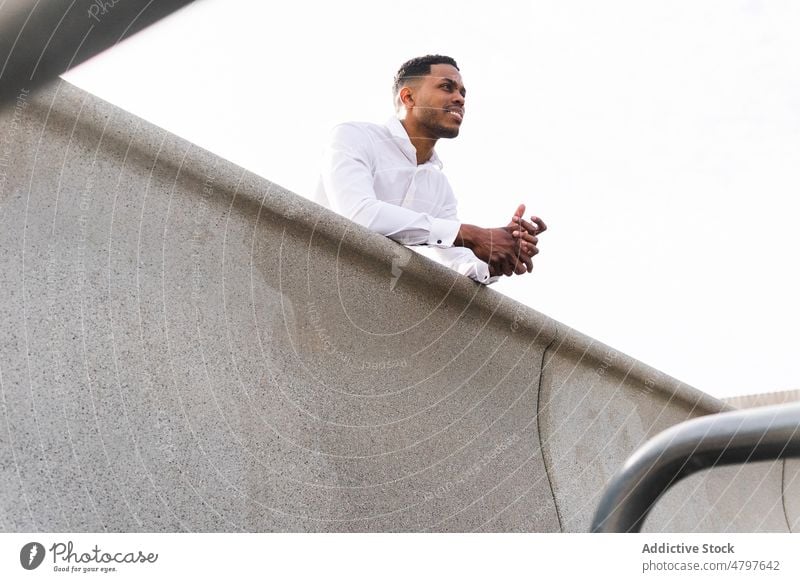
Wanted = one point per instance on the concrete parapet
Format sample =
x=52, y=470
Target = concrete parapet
x=187, y=346
x=597, y=406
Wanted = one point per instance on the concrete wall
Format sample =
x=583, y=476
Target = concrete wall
x=187, y=346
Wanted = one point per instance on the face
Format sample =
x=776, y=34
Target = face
x=438, y=103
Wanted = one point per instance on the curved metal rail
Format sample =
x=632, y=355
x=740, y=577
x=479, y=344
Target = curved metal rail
x=41, y=40
x=728, y=438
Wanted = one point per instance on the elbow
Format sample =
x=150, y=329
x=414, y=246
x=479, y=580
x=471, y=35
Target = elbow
x=365, y=213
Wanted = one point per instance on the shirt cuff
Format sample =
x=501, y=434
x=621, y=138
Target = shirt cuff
x=480, y=273
x=443, y=232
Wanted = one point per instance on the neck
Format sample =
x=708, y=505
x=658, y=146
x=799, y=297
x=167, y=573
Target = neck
x=421, y=142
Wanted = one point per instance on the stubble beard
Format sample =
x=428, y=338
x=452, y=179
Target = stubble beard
x=435, y=127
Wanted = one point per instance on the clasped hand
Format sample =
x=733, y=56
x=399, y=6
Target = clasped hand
x=509, y=249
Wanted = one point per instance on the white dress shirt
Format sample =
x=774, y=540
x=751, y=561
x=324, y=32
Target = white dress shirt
x=371, y=176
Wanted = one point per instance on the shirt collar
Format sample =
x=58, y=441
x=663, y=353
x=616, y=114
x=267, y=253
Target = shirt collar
x=398, y=131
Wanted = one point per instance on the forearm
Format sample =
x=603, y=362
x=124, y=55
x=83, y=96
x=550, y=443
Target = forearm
x=467, y=236
x=403, y=225
x=460, y=260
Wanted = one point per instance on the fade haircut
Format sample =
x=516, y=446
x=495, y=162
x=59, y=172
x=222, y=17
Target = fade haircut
x=418, y=67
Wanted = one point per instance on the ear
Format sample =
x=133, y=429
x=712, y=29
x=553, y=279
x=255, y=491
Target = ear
x=406, y=97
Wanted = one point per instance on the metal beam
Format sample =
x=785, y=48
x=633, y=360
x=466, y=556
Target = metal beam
x=41, y=39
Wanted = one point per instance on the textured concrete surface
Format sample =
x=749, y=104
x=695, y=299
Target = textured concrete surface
x=597, y=406
x=766, y=399
x=791, y=494
x=187, y=346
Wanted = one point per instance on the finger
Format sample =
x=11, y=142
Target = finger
x=528, y=248
x=517, y=215
x=532, y=228
x=519, y=264
x=525, y=258
x=541, y=226
x=525, y=235
x=522, y=258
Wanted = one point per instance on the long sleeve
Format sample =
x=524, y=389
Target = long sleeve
x=460, y=260
x=348, y=180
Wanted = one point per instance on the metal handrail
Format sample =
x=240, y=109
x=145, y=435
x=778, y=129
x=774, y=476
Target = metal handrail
x=742, y=436
x=41, y=40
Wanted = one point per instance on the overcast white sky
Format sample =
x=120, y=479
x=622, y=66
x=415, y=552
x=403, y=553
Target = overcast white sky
x=659, y=139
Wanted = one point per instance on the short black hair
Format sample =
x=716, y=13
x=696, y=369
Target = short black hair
x=418, y=67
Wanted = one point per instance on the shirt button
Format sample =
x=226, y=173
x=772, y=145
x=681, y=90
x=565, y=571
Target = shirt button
x=438, y=242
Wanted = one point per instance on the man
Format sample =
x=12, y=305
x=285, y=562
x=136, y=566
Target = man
x=388, y=178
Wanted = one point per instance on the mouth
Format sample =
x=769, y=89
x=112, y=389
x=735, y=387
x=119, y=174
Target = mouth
x=457, y=113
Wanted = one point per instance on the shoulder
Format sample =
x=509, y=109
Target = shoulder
x=359, y=132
